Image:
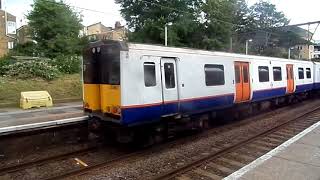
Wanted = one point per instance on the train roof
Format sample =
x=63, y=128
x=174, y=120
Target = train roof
x=149, y=47
x=124, y=46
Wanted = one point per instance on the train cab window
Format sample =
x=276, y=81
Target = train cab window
x=301, y=73
x=149, y=74
x=169, y=75
x=277, y=75
x=308, y=72
x=214, y=74
x=263, y=73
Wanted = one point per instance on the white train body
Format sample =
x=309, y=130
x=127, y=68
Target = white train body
x=159, y=81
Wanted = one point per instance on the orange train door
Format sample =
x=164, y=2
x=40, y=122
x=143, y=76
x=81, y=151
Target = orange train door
x=242, y=78
x=290, y=79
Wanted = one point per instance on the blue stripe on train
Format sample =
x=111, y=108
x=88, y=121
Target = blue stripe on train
x=138, y=115
x=304, y=88
x=268, y=93
x=316, y=85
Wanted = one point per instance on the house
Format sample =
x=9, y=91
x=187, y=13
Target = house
x=23, y=35
x=316, y=52
x=7, y=32
x=99, y=32
x=97, y=28
x=305, y=51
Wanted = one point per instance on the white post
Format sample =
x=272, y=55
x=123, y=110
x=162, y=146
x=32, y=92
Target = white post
x=289, y=52
x=247, y=47
x=166, y=35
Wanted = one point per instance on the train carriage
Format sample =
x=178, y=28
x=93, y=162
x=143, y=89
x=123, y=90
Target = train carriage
x=135, y=84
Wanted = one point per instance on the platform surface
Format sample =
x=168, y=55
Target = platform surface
x=12, y=119
x=296, y=159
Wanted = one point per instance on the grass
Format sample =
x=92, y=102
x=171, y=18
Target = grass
x=66, y=87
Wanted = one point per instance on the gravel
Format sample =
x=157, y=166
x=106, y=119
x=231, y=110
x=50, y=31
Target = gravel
x=154, y=163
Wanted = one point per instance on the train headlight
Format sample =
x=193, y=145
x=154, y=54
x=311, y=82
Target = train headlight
x=86, y=105
x=116, y=110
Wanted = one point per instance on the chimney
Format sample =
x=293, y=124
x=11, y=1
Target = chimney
x=117, y=25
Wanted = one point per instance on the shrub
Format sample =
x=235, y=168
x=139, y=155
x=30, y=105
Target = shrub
x=67, y=64
x=27, y=49
x=32, y=68
x=4, y=62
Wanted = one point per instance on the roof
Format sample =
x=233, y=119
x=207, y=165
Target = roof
x=97, y=24
x=161, y=48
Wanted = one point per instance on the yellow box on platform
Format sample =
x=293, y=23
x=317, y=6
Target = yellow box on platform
x=31, y=99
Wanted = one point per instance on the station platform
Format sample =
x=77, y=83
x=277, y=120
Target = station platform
x=296, y=159
x=14, y=119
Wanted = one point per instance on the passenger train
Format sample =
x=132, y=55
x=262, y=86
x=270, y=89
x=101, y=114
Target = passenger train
x=131, y=86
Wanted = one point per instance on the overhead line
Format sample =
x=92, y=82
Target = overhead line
x=77, y=7
x=186, y=12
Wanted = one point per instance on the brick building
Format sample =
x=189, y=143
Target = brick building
x=97, y=28
x=98, y=32
x=7, y=32
x=23, y=35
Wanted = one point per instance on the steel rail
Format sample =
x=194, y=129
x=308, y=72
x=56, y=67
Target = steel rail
x=199, y=162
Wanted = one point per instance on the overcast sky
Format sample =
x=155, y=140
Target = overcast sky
x=298, y=11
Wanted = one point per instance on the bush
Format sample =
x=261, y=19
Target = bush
x=67, y=64
x=27, y=49
x=4, y=63
x=32, y=68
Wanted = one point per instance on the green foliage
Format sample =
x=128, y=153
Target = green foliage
x=27, y=49
x=4, y=63
x=218, y=15
x=67, y=64
x=55, y=27
x=200, y=24
x=32, y=68
x=148, y=19
x=265, y=15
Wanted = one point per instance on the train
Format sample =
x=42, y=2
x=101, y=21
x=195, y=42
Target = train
x=132, y=88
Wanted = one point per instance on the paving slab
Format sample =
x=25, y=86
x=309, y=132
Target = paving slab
x=282, y=169
x=296, y=159
x=15, y=119
x=6, y=111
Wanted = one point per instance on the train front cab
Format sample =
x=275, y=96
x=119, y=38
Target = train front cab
x=102, y=91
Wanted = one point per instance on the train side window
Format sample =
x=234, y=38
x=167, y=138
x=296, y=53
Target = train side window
x=237, y=72
x=263, y=73
x=149, y=74
x=277, y=74
x=301, y=73
x=308, y=72
x=169, y=75
x=214, y=74
x=245, y=74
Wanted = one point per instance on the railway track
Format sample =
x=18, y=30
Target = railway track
x=104, y=157
x=26, y=165
x=225, y=161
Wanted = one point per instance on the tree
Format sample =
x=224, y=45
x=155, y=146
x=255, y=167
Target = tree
x=241, y=17
x=265, y=15
x=147, y=19
x=55, y=27
x=218, y=20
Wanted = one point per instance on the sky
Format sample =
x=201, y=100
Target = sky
x=298, y=11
